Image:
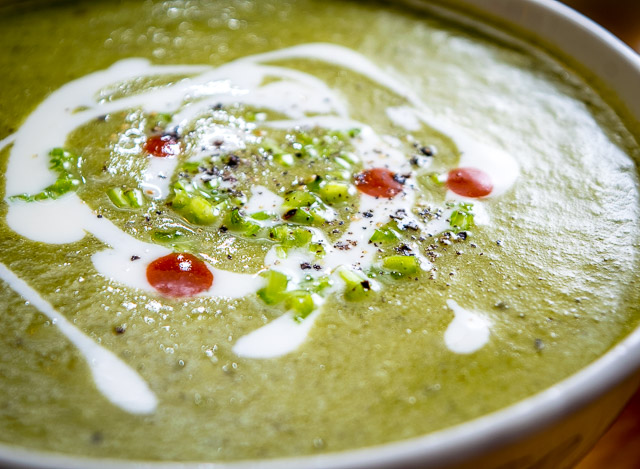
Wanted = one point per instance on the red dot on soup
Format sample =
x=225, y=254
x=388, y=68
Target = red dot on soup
x=469, y=182
x=179, y=275
x=378, y=182
x=162, y=146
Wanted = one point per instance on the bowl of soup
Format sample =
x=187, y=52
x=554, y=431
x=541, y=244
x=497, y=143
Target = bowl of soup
x=315, y=234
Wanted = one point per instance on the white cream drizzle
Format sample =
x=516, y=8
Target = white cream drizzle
x=290, y=92
x=156, y=177
x=281, y=336
x=263, y=199
x=468, y=332
x=114, y=379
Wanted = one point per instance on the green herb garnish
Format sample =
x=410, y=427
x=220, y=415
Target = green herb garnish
x=461, y=218
x=68, y=167
x=401, y=265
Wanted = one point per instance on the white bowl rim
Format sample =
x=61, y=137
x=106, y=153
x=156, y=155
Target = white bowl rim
x=494, y=430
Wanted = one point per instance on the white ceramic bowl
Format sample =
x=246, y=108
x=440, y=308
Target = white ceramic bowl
x=552, y=429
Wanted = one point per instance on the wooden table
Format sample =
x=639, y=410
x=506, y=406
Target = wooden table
x=619, y=448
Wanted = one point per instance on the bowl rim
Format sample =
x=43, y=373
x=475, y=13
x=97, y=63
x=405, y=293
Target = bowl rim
x=619, y=70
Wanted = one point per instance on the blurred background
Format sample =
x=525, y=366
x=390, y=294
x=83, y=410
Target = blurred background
x=619, y=448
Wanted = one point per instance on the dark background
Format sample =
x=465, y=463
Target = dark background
x=621, y=17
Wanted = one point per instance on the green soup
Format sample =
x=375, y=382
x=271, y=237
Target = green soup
x=241, y=230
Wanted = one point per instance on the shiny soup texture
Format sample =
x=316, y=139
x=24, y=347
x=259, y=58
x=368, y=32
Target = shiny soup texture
x=242, y=230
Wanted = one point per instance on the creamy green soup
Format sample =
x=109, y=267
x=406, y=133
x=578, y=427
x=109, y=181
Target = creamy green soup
x=241, y=230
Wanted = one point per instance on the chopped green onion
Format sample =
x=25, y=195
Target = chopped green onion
x=461, y=219
x=180, y=199
x=302, y=216
x=163, y=118
x=284, y=159
x=357, y=287
x=290, y=236
x=174, y=238
x=63, y=161
x=350, y=157
x=200, y=211
x=116, y=195
x=134, y=198
x=281, y=252
x=195, y=208
x=261, y=216
x=438, y=179
x=311, y=151
x=299, y=199
x=316, y=285
x=403, y=265
x=315, y=183
x=341, y=174
x=301, y=302
x=275, y=288
x=335, y=192
x=212, y=184
x=190, y=167
x=385, y=234
x=342, y=162
x=166, y=236
x=68, y=166
x=317, y=249
x=235, y=221
x=304, y=208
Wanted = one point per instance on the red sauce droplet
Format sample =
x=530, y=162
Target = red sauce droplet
x=179, y=274
x=162, y=146
x=469, y=182
x=378, y=182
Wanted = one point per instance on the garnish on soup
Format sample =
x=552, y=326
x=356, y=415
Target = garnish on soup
x=273, y=235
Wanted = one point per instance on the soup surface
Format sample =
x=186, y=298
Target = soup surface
x=237, y=230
